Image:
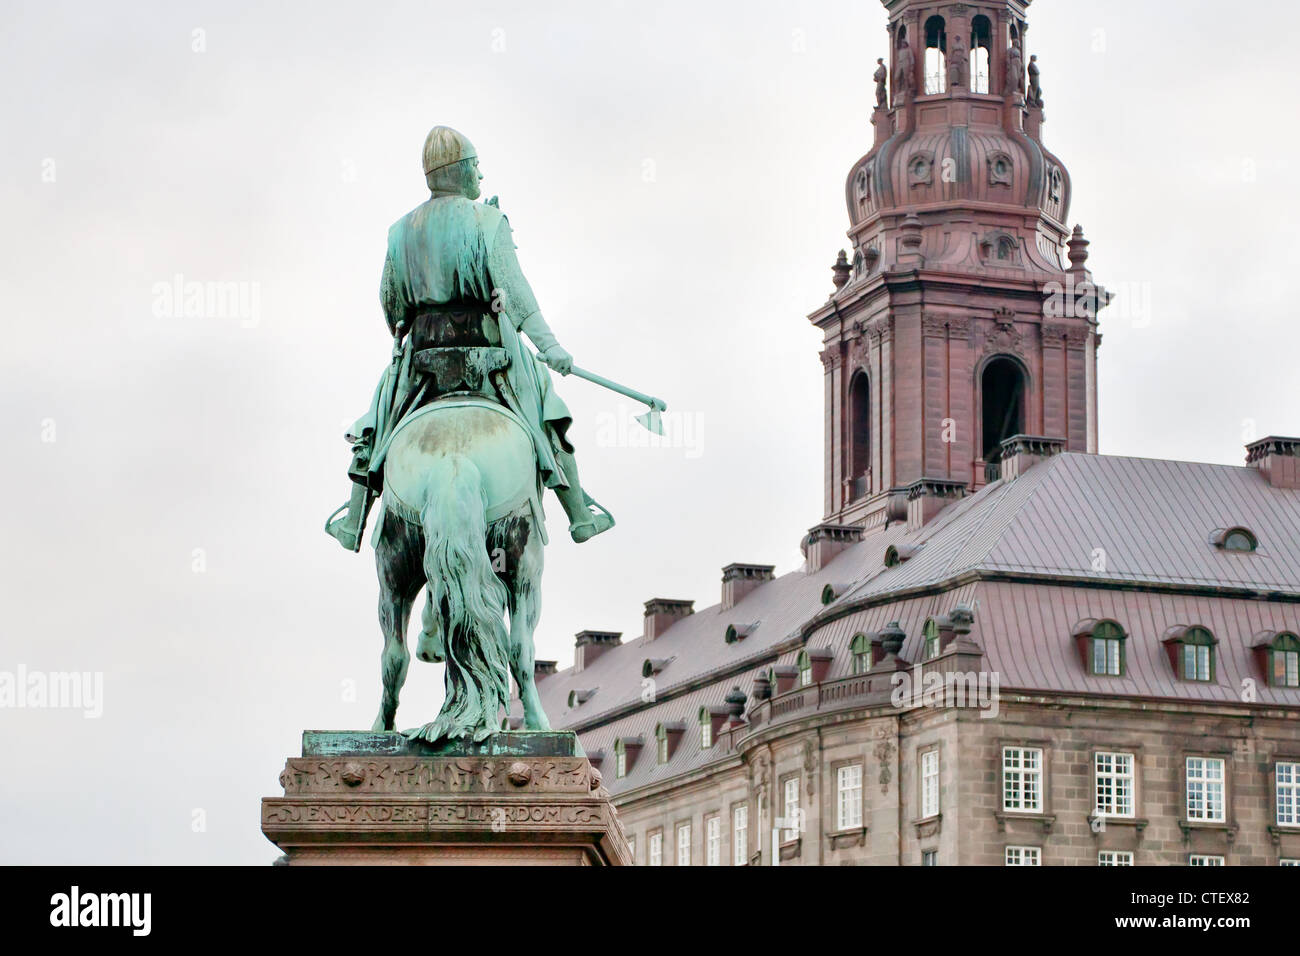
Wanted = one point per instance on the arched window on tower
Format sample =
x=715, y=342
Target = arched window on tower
x=936, y=52
x=1002, y=394
x=859, y=435
x=981, y=39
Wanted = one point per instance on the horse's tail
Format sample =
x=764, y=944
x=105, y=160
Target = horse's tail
x=469, y=600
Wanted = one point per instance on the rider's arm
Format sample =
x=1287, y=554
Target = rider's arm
x=388, y=295
x=515, y=294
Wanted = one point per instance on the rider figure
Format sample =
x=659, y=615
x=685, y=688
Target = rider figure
x=451, y=279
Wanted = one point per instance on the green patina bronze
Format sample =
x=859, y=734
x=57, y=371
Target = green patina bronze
x=463, y=434
x=514, y=743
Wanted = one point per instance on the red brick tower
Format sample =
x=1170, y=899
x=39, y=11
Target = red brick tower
x=964, y=314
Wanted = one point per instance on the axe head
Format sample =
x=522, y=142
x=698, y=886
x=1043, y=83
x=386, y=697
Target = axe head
x=652, y=421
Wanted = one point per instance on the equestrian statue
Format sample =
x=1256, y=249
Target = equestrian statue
x=462, y=435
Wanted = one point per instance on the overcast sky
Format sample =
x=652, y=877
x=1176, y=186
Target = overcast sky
x=674, y=174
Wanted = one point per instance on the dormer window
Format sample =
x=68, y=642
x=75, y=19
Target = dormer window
x=667, y=736
x=1107, y=655
x=1234, y=539
x=1191, y=650
x=625, y=751
x=580, y=697
x=1279, y=658
x=931, y=633
x=706, y=729
x=1284, y=666
x=1101, y=647
x=804, y=665
x=860, y=648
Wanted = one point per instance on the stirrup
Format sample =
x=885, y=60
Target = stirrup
x=343, y=529
x=598, y=523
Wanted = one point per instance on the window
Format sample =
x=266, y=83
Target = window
x=1115, y=858
x=713, y=841
x=1002, y=389
x=931, y=632
x=859, y=436
x=1238, y=539
x=683, y=844
x=936, y=50
x=848, y=802
x=981, y=31
x=661, y=744
x=860, y=649
x=620, y=759
x=1202, y=859
x=1114, y=775
x=1284, y=661
x=1288, y=862
x=790, y=809
x=929, y=783
x=655, y=849
x=1107, y=649
x=1024, y=856
x=1022, y=779
x=805, y=669
x=929, y=857
x=1286, y=781
x=1197, y=655
x=706, y=729
x=1205, y=789
x=740, y=835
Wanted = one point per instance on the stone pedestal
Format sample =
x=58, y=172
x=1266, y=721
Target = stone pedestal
x=377, y=798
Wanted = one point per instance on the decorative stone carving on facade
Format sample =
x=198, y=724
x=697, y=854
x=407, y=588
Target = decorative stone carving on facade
x=831, y=358
x=810, y=767
x=1003, y=336
x=920, y=168
x=1000, y=248
x=1000, y=167
x=884, y=754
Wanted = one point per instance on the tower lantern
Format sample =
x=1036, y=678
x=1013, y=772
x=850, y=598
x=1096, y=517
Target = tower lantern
x=964, y=318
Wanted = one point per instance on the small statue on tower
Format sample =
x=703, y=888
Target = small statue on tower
x=880, y=76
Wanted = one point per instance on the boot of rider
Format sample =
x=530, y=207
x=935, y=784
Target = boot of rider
x=584, y=523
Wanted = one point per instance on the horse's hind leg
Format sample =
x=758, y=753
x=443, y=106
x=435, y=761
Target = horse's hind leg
x=525, y=584
x=397, y=550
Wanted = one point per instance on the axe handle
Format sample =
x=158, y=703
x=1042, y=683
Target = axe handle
x=658, y=404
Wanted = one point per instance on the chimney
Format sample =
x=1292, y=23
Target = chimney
x=1277, y=459
x=543, y=669
x=660, y=613
x=739, y=579
x=926, y=497
x=825, y=541
x=1019, y=453
x=589, y=645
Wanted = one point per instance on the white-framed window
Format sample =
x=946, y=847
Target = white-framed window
x=1204, y=859
x=1114, y=857
x=1205, y=789
x=683, y=844
x=654, y=851
x=662, y=748
x=1024, y=856
x=1114, y=784
x=706, y=734
x=929, y=857
x=929, y=783
x=1285, y=862
x=713, y=841
x=1286, y=782
x=848, y=797
x=1022, y=779
x=790, y=808
x=620, y=764
x=740, y=835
